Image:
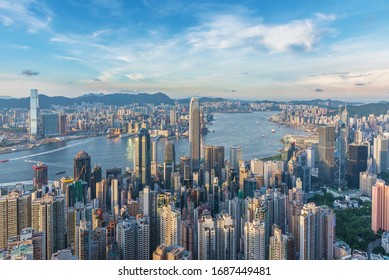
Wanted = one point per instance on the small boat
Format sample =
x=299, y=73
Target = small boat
x=273, y=130
x=4, y=160
x=258, y=122
x=60, y=172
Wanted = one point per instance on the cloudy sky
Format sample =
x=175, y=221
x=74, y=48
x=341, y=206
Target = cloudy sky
x=256, y=49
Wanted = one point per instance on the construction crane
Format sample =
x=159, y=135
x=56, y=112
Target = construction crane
x=79, y=175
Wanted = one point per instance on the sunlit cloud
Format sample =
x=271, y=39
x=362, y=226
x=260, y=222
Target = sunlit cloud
x=219, y=47
x=228, y=31
x=135, y=77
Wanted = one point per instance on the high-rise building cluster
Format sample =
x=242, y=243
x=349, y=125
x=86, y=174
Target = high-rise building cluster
x=200, y=206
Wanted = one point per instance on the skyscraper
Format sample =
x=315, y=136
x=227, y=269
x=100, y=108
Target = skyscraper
x=307, y=231
x=173, y=117
x=214, y=159
x=345, y=119
x=366, y=182
x=48, y=216
x=206, y=237
x=83, y=240
x=170, y=226
x=225, y=237
x=278, y=245
x=185, y=168
x=50, y=124
x=310, y=157
x=143, y=238
x=40, y=175
x=169, y=163
x=82, y=167
x=325, y=235
x=154, y=154
x=194, y=133
x=62, y=124
x=381, y=153
x=380, y=206
x=316, y=232
x=326, y=154
x=126, y=237
x=115, y=197
x=358, y=136
x=14, y=216
x=34, y=113
x=142, y=160
x=357, y=162
x=254, y=240
x=74, y=216
x=235, y=156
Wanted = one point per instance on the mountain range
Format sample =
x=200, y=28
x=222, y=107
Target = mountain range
x=120, y=99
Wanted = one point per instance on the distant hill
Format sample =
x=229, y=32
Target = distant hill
x=203, y=99
x=118, y=99
x=367, y=109
x=323, y=103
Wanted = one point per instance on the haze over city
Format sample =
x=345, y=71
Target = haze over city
x=251, y=49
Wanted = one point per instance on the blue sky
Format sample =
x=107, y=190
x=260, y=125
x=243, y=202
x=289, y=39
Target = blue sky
x=262, y=49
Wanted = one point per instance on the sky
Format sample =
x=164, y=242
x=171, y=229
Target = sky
x=254, y=50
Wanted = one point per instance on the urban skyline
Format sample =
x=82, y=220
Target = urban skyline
x=218, y=164
x=251, y=49
x=283, y=207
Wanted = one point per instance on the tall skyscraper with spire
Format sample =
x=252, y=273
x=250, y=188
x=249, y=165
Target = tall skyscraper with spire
x=194, y=133
x=34, y=113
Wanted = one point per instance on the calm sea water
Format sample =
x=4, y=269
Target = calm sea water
x=257, y=141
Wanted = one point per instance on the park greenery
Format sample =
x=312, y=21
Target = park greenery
x=326, y=199
x=275, y=157
x=353, y=225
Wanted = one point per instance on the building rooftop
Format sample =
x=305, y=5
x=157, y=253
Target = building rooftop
x=82, y=154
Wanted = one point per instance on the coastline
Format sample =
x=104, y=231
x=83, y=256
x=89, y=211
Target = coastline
x=307, y=128
x=32, y=146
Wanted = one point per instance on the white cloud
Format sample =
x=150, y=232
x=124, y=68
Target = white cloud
x=100, y=33
x=135, y=76
x=228, y=31
x=326, y=17
x=280, y=38
x=124, y=58
x=63, y=39
x=64, y=57
x=6, y=21
x=30, y=14
x=209, y=57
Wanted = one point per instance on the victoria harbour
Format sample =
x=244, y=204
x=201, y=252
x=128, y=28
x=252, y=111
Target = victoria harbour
x=252, y=131
x=194, y=130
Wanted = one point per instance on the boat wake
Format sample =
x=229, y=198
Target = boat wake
x=52, y=151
